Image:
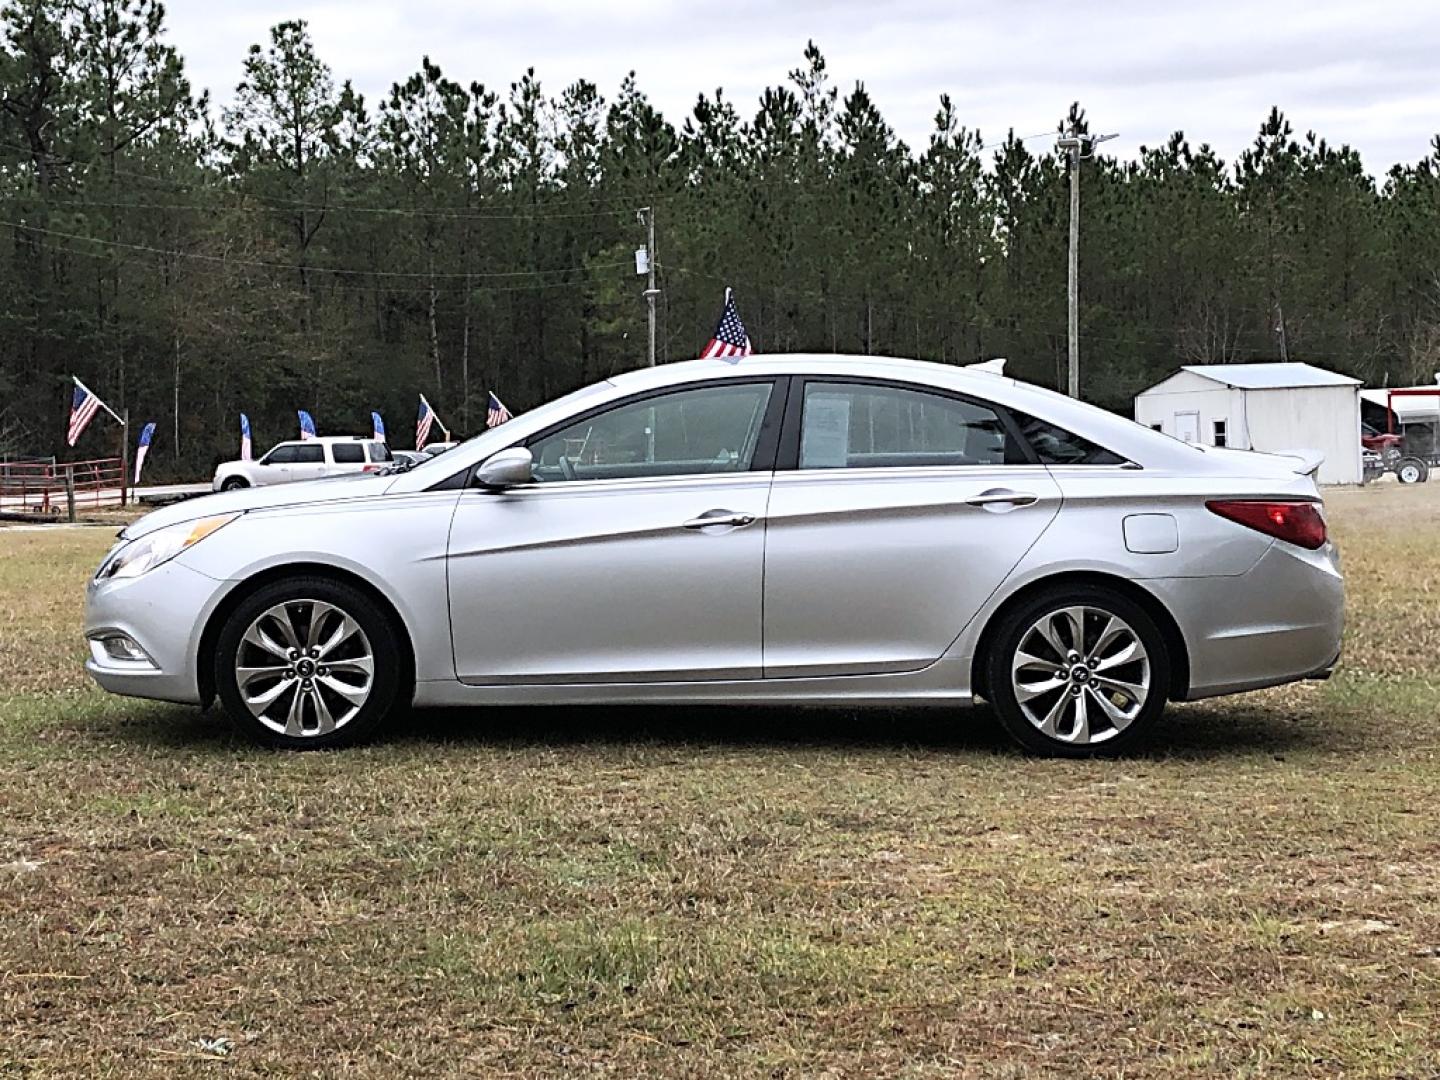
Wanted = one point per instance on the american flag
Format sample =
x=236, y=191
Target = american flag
x=730, y=341
x=497, y=413
x=244, y=437
x=84, y=404
x=146, y=434
x=422, y=424
x=307, y=424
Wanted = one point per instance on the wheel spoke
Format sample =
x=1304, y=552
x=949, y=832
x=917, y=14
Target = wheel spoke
x=258, y=703
x=1029, y=691
x=356, y=695
x=1080, y=733
x=345, y=628
x=1119, y=717
x=284, y=618
x=1128, y=655
x=1111, y=632
x=325, y=721
x=257, y=637
x=360, y=665
x=245, y=676
x=1057, y=710
x=1134, y=691
x=1046, y=629
x=295, y=718
x=319, y=612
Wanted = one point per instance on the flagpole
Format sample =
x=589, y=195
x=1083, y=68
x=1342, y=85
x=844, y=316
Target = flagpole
x=436, y=417
x=124, y=456
x=98, y=400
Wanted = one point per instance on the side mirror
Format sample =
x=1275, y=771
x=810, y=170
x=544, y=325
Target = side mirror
x=506, y=469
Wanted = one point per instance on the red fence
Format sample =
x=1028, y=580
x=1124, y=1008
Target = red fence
x=45, y=487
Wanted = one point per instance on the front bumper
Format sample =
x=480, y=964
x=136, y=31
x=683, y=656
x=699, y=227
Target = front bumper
x=164, y=612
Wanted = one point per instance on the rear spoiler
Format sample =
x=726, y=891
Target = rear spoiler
x=1307, y=462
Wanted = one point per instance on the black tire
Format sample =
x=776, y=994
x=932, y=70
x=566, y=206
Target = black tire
x=387, y=657
x=234, y=483
x=1015, y=627
x=1412, y=470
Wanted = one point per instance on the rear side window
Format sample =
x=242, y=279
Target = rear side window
x=380, y=452
x=865, y=426
x=1055, y=446
x=348, y=453
x=308, y=455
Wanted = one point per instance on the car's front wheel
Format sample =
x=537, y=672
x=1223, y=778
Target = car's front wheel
x=1079, y=672
x=307, y=663
x=234, y=483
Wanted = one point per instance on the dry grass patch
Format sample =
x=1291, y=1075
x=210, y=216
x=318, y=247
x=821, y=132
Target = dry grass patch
x=750, y=892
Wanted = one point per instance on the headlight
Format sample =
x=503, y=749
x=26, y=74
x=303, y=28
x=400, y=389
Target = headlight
x=135, y=558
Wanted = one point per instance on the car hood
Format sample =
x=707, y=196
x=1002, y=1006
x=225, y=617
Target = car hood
x=301, y=493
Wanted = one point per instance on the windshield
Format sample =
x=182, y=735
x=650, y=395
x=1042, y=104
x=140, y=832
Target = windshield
x=441, y=465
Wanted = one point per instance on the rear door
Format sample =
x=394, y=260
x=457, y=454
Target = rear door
x=895, y=513
x=348, y=457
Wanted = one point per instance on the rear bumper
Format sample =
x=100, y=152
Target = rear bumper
x=1280, y=622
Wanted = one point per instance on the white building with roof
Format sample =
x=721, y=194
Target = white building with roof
x=1277, y=408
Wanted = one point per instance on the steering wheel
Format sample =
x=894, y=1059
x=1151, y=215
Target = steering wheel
x=567, y=469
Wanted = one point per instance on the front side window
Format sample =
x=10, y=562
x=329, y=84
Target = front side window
x=308, y=455
x=380, y=452
x=858, y=426
x=708, y=429
x=348, y=453
x=281, y=455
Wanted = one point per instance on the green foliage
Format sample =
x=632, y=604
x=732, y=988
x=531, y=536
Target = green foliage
x=312, y=250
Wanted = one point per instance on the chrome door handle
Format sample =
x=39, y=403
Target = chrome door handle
x=719, y=517
x=996, y=496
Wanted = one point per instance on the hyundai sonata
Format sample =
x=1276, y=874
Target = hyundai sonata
x=786, y=530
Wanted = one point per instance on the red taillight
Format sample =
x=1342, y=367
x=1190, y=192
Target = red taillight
x=1298, y=523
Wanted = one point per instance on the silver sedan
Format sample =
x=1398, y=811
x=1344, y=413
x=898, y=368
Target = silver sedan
x=787, y=529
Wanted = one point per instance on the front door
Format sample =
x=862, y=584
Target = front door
x=309, y=462
x=636, y=555
x=908, y=509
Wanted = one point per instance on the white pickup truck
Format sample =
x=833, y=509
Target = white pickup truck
x=304, y=459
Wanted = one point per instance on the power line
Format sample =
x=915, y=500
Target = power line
x=291, y=267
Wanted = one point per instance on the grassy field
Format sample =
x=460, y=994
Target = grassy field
x=705, y=892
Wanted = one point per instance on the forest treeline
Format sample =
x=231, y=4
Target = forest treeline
x=303, y=247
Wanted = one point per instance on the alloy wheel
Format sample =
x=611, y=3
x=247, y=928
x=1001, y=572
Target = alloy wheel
x=304, y=668
x=1081, y=675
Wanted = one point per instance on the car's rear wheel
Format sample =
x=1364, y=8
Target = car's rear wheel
x=1412, y=470
x=307, y=663
x=234, y=483
x=1078, y=672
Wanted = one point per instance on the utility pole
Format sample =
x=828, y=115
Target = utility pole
x=1078, y=147
x=1280, y=329
x=651, y=292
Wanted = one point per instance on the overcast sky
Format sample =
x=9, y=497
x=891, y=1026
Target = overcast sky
x=1362, y=72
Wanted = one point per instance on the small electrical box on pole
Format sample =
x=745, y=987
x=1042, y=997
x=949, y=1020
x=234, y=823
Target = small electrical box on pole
x=1078, y=147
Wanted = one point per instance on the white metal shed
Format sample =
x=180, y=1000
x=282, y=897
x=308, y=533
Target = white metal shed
x=1270, y=407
